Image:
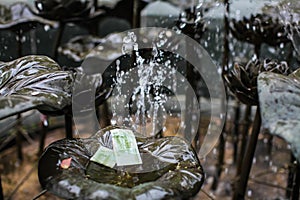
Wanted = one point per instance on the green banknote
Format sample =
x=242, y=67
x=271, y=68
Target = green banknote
x=125, y=147
x=104, y=156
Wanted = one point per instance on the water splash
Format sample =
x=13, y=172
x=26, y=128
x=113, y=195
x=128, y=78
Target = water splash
x=129, y=43
x=117, y=105
x=147, y=100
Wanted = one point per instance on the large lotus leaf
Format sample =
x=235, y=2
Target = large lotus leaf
x=106, y=49
x=20, y=16
x=34, y=82
x=58, y=9
x=279, y=98
x=68, y=10
x=170, y=170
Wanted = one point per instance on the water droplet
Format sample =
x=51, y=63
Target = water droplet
x=274, y=169
x=168, y=33
x=46, y=28
x=113, y=122
x=182, y=25
x=267, y=158
x=220, y=70
x=281, y=45
x=40, y=6
x=271, y=163
x=249, y=193
x=215, y=151
x=23, y=39
x=247, y=25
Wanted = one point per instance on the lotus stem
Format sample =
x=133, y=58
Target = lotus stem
x=246, y=124
x=226, y=37
x=45, y=125
x=270, y=144
x=136, y=14
x=224, y=68
x=293, y=185
x=220, y=163
x=290, y=179
x=96, y=4
x=103, y=115
x=19, y=138
x=241, y=184
x=235, y=133
x=69, y=125
x=188, y=105
x=1, y=190
x=257, y=50
x=19, y=35
x=296, y=184
x=57, y=42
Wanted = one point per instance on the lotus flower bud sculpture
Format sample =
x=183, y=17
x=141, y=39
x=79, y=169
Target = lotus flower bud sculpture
x=242, y=81
x=258, y=29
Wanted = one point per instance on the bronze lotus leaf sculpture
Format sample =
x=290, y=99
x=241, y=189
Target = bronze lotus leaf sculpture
x=33, y=82
x=106, y=49
x=64, y=9
x=20, y=17
x=170, y=169
x=38, y=82
x=258, y=29
x=242, y=81
x=279, y=97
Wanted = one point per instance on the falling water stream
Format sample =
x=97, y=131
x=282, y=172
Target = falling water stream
x=147, y=101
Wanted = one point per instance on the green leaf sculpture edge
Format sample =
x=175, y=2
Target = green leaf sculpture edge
x=279, y=98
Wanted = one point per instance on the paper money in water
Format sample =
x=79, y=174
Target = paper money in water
x=125, y=147
x=104, y=156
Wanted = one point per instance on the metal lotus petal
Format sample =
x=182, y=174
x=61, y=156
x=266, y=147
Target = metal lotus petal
x=180, y=177
x=245, y=79
x=242, y=81
x=274, y=66
x=246, y=98
x=279, y=98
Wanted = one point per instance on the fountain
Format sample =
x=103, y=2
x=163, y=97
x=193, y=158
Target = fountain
x=144, y=80
x=150, y=146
